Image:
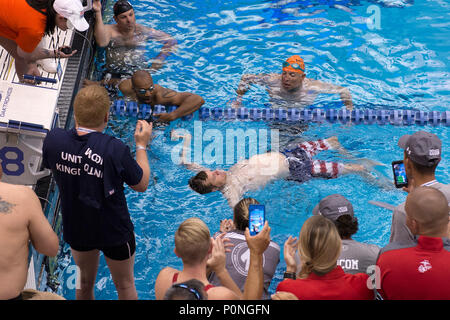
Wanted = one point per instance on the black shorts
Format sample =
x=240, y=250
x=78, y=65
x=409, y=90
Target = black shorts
x=120, y=252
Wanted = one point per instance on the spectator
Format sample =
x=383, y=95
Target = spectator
x=189, y=290
x=291, y=88
x=194, y=246
x=21, y=221
x=90, y=169
x=238, y=259
x=355, y=256
x=421, y=156
x=140, y=87
x=125, y=37
x=420, y=270
x=320, y=278
x=23, y=23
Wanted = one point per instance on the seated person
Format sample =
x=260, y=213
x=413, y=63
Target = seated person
x=250, y=174
x=141, y=88
x=125, y=38
x=291, y=88
x=238, y=259
x=193, y=244
x=356, y=257
x=21, y=221
x=320, y=278
x=419, y=270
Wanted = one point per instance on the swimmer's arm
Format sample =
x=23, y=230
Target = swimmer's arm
x=244, y=85
x=184, y=151
x=187, y=103
x=169, y=45
x=102, y=33
x=42, y=236
x=322, y=87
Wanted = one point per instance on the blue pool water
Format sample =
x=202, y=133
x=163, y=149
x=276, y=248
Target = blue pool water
x=398, y=60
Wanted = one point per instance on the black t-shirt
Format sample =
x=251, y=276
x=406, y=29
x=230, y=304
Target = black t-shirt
x=90, y=171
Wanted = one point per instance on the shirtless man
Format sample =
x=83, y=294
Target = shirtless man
x=140, y=87
x=251, y=174
x=21, y=221
x=291, y=88
x=123, y=38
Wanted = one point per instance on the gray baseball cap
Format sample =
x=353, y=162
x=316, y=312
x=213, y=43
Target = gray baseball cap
x=422, y=147
x=334, y=206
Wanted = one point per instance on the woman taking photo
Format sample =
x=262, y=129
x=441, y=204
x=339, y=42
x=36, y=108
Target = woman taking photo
x=320, y=278
x=23, y=23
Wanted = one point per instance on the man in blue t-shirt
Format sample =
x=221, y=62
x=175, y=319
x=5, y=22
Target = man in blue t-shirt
x=90, y=169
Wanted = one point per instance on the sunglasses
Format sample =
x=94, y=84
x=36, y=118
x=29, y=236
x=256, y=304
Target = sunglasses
x=295, y=66
x=191, y=290
x=144, y=91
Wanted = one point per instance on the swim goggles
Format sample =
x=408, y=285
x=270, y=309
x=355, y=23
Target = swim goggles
x=144, y=91
x=294, y=65
x=191, y=290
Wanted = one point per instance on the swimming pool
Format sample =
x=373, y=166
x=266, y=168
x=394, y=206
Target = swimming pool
x=384, y=66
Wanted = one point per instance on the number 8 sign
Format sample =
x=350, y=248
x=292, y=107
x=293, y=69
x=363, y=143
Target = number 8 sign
x=11, y=165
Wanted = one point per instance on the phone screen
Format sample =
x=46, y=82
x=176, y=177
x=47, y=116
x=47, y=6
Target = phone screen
x=400, y=178
x=256, y=219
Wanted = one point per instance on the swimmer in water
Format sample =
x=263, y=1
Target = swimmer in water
x=123, y=38
x=291, y=88
x=251, y=174
x=140, y=87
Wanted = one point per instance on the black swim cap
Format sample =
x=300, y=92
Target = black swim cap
x=122, y=6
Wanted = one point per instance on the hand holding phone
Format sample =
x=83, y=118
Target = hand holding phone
x=400, y=178
x=256, y=218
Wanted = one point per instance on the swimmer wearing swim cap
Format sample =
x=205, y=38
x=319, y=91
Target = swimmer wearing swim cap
x=291, y=88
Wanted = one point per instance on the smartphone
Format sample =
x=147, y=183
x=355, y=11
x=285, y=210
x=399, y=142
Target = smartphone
x=256, y=218
x=400, y=179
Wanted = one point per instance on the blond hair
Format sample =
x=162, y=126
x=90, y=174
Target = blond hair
x=192, y=241
x=91, y=105
x=240, y=217
x=319, y=246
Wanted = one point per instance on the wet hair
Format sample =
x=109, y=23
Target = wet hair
x=346, y=225
x=45, y=7
x=319, y=246
x=189, y=290
x=240, y=218
x=199, y=185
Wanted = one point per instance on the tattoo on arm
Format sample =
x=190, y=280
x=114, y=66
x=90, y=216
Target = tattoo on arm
x=6, y=207
x=168, y=93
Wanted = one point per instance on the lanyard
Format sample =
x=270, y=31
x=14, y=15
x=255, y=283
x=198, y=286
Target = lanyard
x=86, y=130
x=430, y=183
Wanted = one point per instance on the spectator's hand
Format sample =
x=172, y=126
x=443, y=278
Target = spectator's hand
x=226, y=225
x=290, y=247
x=97, y=6
x=143, y=132
x=410, y=186
x=258, y=243
x=218, y=258
x=283, y=295
x=61, y=54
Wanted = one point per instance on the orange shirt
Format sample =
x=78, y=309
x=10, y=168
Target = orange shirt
x=21, y=23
